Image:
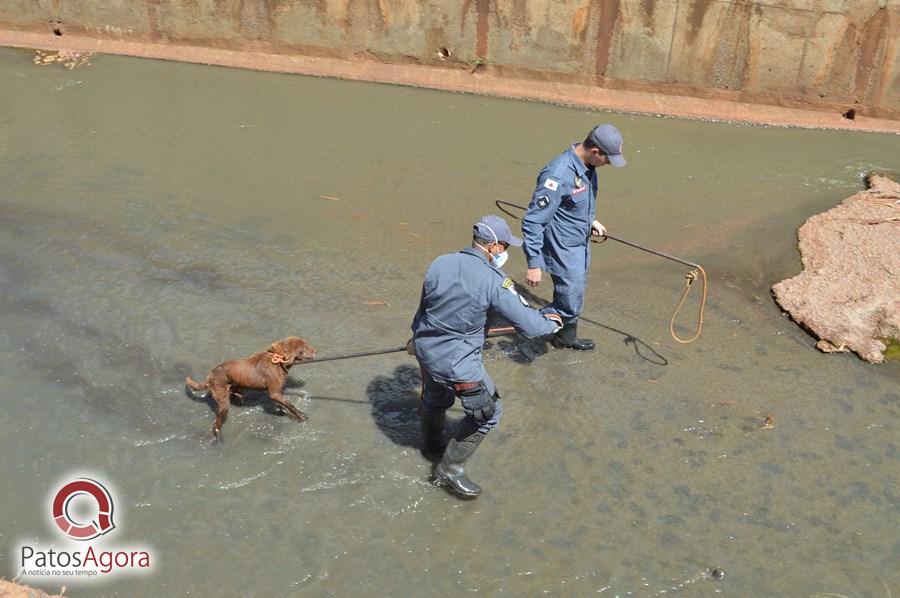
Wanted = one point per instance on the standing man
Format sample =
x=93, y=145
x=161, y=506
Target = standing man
x=560, y=221
x=448, y=333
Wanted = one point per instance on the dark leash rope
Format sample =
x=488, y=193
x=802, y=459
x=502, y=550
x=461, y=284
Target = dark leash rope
x=690, y=277
x=492, y=332
x=500, y=203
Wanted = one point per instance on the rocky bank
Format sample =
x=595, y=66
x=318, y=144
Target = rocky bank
x=848, y=294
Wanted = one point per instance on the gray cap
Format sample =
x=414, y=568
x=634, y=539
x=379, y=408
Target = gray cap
x=609, y=140
x=490, y=227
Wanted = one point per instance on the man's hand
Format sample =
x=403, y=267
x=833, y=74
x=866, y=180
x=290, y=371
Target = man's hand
x=533, y=277
x=556, y=319
x=410, y=347
x=597, y=229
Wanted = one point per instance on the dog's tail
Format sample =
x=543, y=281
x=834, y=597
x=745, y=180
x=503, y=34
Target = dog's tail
x=194, y=385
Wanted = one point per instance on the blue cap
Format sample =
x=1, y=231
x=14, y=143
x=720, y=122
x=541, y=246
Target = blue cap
x=609, y=140
x=495, y=227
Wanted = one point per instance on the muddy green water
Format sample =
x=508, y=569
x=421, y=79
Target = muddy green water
x=158, y=218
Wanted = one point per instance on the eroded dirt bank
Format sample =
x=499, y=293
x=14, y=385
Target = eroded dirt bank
x=485, y=80
x=731, y=60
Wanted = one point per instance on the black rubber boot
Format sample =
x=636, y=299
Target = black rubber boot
x=450, y=472
x=433, y=444
x=567, y=338
x=525, y=349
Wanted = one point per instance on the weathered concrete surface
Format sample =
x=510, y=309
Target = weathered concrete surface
x=830, y=55
x=849, y=291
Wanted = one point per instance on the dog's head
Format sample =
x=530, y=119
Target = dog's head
x=291, y=350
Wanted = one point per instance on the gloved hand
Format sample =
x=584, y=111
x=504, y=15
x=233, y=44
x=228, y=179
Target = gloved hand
x=478, y=403
x=410, y=347
x=556, y=319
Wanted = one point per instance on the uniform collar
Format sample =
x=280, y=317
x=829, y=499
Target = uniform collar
x=581, y=169
x=477, y=253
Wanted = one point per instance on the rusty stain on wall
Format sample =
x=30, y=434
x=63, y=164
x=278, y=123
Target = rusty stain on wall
x=871, y=49
x=482, y=27
x=580, y=23
x=608, y=17
x=153, y=19
x=696, y=14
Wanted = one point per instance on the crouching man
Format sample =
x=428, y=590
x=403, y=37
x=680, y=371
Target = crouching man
x=448, y=334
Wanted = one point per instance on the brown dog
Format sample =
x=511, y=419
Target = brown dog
x=266, y=370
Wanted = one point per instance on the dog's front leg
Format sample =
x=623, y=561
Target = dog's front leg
x=276, y=396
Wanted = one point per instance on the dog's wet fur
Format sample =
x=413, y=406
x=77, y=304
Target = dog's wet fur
x=266, y=370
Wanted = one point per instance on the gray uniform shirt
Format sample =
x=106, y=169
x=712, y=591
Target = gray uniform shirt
x=448, y=329
x=557, y=226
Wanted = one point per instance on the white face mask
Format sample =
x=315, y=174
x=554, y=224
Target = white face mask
x=499, y=259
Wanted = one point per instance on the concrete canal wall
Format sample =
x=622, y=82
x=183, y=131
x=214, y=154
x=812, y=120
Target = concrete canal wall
x=827, y=56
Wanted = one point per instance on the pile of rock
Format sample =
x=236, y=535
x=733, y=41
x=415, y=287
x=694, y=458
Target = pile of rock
x=11, y=589
x=67, y=58
x=848, y=294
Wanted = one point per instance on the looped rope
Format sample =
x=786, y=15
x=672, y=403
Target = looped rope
x=690, y=277
x=277, y=358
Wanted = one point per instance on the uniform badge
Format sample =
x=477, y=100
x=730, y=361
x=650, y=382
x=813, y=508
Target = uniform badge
x=578, y=181
x=542, y=202
x=508, y=283
x=551, y=184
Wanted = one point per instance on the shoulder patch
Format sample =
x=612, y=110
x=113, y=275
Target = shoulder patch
x=551, y=184
x=542, y=202
x=508, y=283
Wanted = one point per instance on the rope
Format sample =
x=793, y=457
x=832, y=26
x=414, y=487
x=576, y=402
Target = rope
x=690, y=277
x=277, y=358
x=492, y=332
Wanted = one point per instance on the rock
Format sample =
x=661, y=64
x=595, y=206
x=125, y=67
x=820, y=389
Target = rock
x=848, y=294
x=68, y=58
x=12, y=589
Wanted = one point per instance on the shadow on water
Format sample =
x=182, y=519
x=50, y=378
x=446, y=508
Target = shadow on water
x=395, y=405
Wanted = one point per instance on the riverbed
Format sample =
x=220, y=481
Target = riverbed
x=158, y=218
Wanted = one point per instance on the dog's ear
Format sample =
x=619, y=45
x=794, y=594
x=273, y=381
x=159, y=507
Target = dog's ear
x=293, y=347
x=277, y=348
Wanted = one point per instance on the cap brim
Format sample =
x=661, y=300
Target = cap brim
x=617, y=160
x=515, y=241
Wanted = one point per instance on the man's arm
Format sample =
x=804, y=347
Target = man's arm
x=544, y=202
x=528, y=321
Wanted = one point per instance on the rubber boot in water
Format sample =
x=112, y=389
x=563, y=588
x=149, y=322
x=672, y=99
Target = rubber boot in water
x=433, y=436
x=567, y=338
x=450, y=472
